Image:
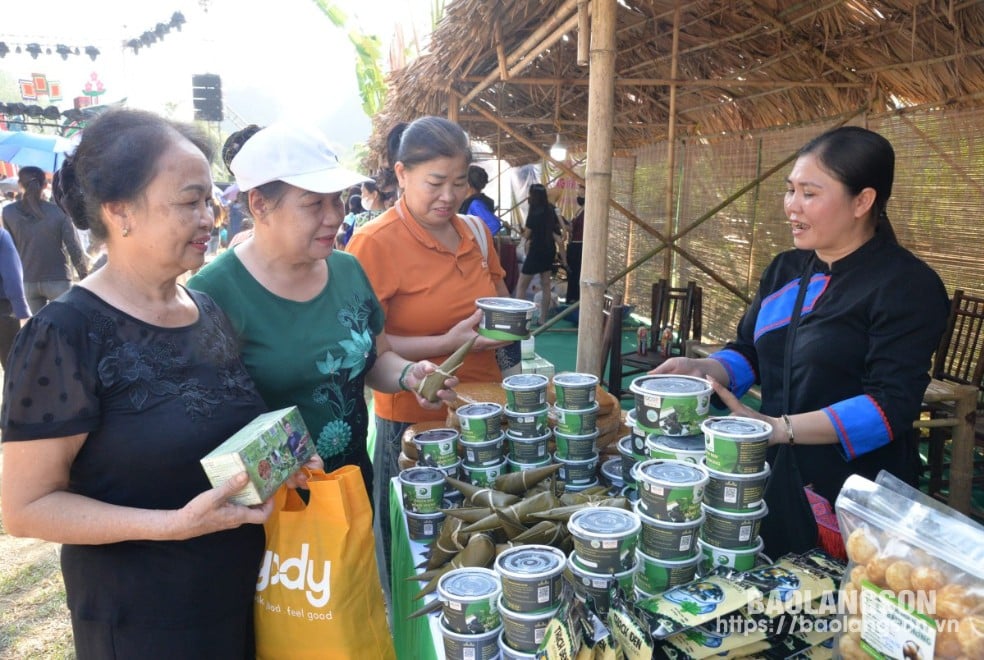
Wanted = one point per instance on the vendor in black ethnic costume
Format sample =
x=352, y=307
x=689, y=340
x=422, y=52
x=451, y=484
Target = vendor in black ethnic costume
x=870, y=318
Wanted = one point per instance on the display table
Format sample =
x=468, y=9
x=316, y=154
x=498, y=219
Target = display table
x=420, y=638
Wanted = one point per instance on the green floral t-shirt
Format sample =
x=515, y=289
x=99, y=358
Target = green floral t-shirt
x=312, y=354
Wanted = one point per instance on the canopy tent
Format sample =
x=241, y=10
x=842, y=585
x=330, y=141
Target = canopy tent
x=689, y=76
x=23, y=149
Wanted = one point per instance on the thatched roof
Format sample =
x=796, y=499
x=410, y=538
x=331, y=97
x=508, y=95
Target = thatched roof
x=743, y=65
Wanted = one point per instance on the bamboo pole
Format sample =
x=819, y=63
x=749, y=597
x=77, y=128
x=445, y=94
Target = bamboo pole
x=551, y=39
x=970, y=54
x=500, y=52
x=671, y=143
x=601, y=107
x=726, y=83
x=453, y=106
x=530, y=42
x=583, y=33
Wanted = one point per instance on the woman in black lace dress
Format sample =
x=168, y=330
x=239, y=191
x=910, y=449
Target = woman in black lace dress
x=122, y=384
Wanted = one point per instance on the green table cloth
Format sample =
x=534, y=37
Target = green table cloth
x=420, y=638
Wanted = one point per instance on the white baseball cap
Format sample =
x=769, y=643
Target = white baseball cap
x=295, y=154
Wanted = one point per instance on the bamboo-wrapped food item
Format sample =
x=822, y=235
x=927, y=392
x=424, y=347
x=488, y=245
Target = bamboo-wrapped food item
x=518, y=483
x=448, y=544
x=545, y=532
x=514, y=516
x=469, y=514
x=429, y=386
x=563, y=513
x=482, y=496
x=433, y=606
x=581, y=497
x=478, y=553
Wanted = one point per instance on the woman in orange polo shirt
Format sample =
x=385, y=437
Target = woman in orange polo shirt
x=427, y=271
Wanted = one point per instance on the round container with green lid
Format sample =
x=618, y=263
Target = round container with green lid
x=480, y=421
x=669, y=404
x=736, y=492
x=741, y=559
x=422, y=488
x=576, y=422
x=605, y=538
x=470, y=600
x=480, y=646
x=532, y=424
x=736, y=445
x=525, y=392
x=732, y=529
x=436, y=447
x=575, y=391
x=576, y=447
x=505, y=319
x=531, y=577
x=688, y=448
x=670, y=490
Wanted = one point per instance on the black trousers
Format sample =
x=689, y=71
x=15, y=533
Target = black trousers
x=573, y=271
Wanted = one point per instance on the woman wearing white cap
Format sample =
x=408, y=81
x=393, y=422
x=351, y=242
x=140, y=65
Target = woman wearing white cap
x=310, y=327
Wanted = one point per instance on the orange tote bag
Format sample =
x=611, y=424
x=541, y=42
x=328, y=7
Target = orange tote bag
x=318, y=593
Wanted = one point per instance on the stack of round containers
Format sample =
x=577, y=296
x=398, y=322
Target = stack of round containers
x=576, y=430
x=532, y=585
x=669, y=507
x=438, y=448
x=605, y=541
x=734, y=505
x=668, y=412
x=527, y=429
x=470, y=621
x=423, y=494
x=483, y=440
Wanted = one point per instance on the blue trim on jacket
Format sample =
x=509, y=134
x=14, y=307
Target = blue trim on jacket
x=741, y=373
x=861, y=425
x=776, y=310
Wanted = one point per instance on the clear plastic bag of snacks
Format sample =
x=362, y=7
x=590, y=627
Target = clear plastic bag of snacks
x=914, y=586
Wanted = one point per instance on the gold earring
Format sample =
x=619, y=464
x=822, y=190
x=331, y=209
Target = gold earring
x=126, y=232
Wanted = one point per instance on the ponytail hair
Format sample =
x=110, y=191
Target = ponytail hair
x=33, y=181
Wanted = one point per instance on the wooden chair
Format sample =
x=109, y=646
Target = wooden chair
x=677, y=308
x=960, y=359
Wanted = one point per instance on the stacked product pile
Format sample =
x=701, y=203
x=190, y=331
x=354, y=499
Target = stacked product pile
x=733, y=504
x=528, y=431
x=576, y=429
x=482, y=440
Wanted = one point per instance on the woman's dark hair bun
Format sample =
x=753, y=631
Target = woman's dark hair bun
x=235, y=142
x=393, y=139
x=67, y=194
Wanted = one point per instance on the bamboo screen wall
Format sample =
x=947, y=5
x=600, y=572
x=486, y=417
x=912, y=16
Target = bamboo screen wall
x=937, y=208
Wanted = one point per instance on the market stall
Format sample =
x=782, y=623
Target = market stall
x=660, y=548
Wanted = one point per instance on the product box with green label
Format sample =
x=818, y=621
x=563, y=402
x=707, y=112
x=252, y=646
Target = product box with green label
x=269, y=449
